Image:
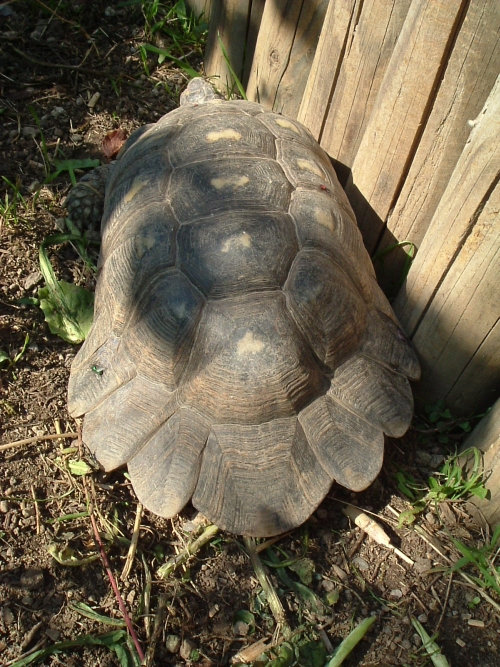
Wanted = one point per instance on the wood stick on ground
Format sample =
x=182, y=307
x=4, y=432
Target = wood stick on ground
x=185, y=554
x=133, y=544
x=37, y=438
x=271, y=595
x=374, y=530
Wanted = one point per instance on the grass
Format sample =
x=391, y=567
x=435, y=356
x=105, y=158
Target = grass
x=485, y=559
x=175, y=31
x=460, y=477
x=450, y=484
x=13, y=205
x=7, y=362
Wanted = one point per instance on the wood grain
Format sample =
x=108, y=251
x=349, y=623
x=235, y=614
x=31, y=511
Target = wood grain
x=402, y=103
x=256, y=12
x=371, y=42
x=469, y=77
x=468, y=190
x=284, y=51
x=199, y=7
x=229, y=22
x=486, y=437
x=460, y=318
x=293, y=82
x=326, y=64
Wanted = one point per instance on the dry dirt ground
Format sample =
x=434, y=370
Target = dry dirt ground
x=52, y=66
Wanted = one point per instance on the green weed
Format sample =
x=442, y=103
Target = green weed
x=68, y=308
x=117, y=641
x=11, y=203
x=175, y=31
x=450, y=483
x=177, y=22
x=439, y=421
x=164, y=54
x=410, y=255
x=7, y=362
x=483, y=559
x=428, y=643
x=236, y=81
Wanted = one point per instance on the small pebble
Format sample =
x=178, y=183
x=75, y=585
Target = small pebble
x=396, y=594
x=417, y=641
x=360, y=563
x=241, y=629
x=4, y=506
x=58, y=112
x=173, y=643
x=32, y=280
x=406, y=644
x=187, y=647
x=53, y=633
x=423, y=618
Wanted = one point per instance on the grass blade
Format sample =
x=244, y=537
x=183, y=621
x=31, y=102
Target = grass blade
x=350, y=642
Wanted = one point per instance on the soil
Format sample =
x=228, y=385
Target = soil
x=52, y=66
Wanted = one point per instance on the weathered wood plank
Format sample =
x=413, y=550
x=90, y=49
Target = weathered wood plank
x=469, y=77
x=371, y=44
x=402, y=104
x=461, y=316
x=199, y=7
x=293, y=82
x=229, y=21
x=326, y=64
x=469, y=188
x=284, y=52
x=486, y=437
x=253, y=32
x=479, y=383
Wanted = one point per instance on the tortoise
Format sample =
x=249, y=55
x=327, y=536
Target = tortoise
x=242, y=355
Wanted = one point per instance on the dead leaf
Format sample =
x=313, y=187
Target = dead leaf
x=112, y=143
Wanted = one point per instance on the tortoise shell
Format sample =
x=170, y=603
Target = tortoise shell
x=242, y=354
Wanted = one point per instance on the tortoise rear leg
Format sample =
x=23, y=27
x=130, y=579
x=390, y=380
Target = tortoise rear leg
x=85, y=201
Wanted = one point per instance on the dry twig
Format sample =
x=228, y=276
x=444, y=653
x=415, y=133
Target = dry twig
x=133, y=544
x=37, y=438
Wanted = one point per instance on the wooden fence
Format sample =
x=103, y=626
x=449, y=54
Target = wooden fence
x=404, y=95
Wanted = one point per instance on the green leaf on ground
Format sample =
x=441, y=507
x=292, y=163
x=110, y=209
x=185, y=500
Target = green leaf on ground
x=68, y=312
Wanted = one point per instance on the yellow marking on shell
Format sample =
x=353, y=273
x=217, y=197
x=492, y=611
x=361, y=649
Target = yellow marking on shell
x=354, y=479
x=324, y=218
x=307, y=165
x=233, y=182
x=179, y=308
x=283, y=122
x=228, y=133
x=137, y=185
x=249, y=344
x=143, y=244
x=243, y=240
